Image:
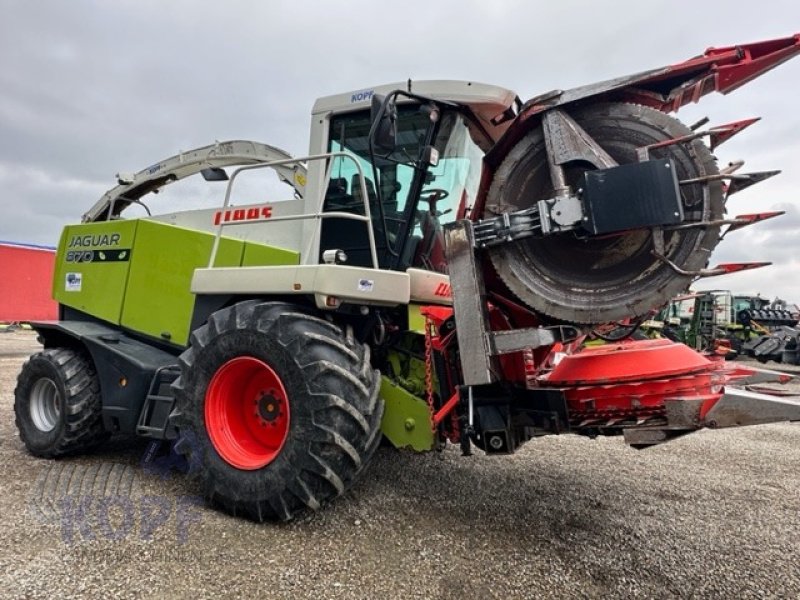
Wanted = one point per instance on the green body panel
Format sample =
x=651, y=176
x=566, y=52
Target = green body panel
x=259, y=255
x=137, y=273
x=158, y=301
x=92, y=266
x=407, y=371
x=416, y=322
x=406, y=418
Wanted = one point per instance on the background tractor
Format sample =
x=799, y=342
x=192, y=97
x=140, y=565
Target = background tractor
x=445, y=251
x=718, y=321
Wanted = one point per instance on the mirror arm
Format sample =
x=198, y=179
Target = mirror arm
x=373, y=162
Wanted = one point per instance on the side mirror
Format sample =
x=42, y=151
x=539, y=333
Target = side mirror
x=214, y=174
x=383, y=113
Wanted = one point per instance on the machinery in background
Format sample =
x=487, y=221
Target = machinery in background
x=720, y=322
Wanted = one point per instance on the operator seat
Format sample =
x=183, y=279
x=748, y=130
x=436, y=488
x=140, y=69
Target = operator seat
x=349, y=235
x=336, y=197
x=355, y=186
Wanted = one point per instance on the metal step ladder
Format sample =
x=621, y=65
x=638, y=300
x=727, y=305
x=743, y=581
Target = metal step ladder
x=154, y=418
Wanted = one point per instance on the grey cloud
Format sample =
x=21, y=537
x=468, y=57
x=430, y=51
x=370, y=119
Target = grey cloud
x=89, y=88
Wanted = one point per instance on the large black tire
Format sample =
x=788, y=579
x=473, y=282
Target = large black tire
x=593, y=280
x=333, y=405
x=57, y=403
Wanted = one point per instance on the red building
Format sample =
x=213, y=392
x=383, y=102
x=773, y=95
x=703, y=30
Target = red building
x=26, y=281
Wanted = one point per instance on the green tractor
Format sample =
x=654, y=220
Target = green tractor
x=430, y=276
x=717, y=321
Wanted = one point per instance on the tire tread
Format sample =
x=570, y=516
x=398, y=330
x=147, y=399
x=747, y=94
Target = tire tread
x=342, y=392
x=82, y=405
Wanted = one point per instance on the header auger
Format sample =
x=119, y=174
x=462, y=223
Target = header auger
x=445, y=252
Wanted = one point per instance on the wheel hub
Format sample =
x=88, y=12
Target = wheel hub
x=269, y=408
x=45, y=405
x=247, y=413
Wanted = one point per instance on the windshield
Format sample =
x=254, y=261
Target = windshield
x=423, y=197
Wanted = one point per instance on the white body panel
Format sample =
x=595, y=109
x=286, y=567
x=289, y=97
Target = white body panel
x=347, y=284
x=429, y=287
x=283, y=234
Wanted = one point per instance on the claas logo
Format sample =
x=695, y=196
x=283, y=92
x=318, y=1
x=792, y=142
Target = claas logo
x=257, y=213
x=443, y=290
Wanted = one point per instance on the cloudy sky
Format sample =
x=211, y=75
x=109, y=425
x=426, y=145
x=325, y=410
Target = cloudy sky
x=88, y=89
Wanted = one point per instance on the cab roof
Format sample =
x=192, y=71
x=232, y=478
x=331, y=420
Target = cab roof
x=487, y=102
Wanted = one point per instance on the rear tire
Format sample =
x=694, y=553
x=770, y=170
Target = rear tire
x=57, y=403
x=260, y=367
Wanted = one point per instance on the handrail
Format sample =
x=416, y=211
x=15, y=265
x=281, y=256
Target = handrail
x=319, y=214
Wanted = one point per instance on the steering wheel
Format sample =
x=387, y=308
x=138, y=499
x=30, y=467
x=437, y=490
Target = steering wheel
x=434, y=194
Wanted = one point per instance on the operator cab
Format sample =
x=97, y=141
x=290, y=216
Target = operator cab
x=426, y=174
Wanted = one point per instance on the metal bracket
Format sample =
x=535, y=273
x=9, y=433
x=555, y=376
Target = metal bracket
x=554, y=215
x=469, y=304
x=508, y=227
x=478, y=344
x=514, y=340
x=610, y=200
x=567, y=142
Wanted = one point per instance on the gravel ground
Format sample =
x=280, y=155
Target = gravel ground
x=715, y=514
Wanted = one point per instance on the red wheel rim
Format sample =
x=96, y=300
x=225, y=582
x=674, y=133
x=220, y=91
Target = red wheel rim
x=247, y=413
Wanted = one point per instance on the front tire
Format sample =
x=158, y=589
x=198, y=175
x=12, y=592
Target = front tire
x=277, y=407
x=57, y=403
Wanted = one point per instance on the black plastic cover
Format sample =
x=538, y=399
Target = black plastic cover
x=633, y=196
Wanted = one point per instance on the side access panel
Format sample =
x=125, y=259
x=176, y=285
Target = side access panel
x=406, y=419
x=158, y=301
x=92, y=267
